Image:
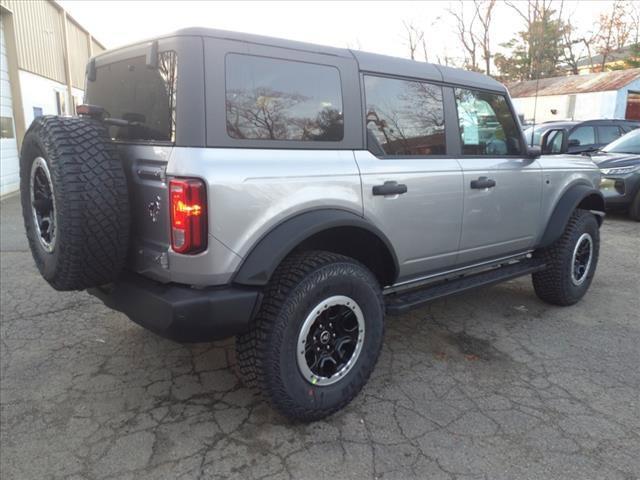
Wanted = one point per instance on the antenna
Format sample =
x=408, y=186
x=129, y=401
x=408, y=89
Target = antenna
x=535, y=108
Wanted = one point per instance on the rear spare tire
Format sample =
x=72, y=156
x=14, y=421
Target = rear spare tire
x=75, y=202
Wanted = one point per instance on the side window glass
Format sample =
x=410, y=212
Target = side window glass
x=582, y=136
x=487, y=125
x=608, y=133
x=404, y=117
x=271, y=99
x=554, y=142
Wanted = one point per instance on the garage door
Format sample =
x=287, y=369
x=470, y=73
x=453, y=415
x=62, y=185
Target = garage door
x=8, y=145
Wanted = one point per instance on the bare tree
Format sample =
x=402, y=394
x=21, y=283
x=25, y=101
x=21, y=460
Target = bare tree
x=415, y=38
x=613, y=30
x=571, y=51
x=465, y=29
x=484, y=10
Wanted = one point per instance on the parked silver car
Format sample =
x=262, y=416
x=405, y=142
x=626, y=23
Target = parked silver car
x=223, y=184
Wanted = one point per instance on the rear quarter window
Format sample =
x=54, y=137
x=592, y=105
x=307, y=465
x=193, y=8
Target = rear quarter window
x=274, y=99
x=146, y=97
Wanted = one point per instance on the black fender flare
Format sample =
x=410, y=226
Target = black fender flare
x=569, y=201
x=263, y=259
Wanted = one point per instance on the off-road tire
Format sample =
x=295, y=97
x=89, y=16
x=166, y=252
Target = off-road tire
x=267, y=353
x=91, y=201
x=634, y=209
x=554, y=284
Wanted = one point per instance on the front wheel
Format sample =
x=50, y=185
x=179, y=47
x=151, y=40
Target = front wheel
x=317, y=336
x=571, y=261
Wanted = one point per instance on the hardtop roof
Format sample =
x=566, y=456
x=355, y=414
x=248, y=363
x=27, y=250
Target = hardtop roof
x=368, y=62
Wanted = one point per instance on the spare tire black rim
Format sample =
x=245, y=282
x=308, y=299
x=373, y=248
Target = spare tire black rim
x=43, y=204
x=330, y=340
x=581, y=260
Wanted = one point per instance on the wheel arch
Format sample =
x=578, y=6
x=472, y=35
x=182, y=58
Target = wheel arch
x=337, y=231
x=581, y=196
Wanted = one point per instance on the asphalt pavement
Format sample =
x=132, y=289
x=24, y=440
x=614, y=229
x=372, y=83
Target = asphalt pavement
x=491, y=384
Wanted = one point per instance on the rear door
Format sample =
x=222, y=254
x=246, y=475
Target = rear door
x=502, y=188
x=411, y=185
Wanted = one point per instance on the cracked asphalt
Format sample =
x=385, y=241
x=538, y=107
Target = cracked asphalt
x=492, y=384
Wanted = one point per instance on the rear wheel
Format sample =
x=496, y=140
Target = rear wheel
x=571, y=261
x=317, y=336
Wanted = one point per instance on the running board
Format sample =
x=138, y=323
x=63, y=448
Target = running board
x=398, y=303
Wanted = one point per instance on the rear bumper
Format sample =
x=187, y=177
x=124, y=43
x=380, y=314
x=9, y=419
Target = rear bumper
x=180, y=312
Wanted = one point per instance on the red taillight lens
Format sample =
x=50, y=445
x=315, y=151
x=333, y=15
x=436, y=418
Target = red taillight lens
x=188, y=215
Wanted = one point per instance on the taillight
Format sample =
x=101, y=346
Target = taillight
x=188, y=215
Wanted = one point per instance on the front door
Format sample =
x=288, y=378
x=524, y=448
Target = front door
x=410, y=188
x=502, y=187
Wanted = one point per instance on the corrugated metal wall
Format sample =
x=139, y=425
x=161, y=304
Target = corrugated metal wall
x=39, y=34
x=39, y=38
x=78, y=53
x=96, y=48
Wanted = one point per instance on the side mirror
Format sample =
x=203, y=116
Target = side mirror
x=574, y=142
x=533, y=152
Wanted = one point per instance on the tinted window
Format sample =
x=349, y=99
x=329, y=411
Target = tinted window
x=403, y=117
x=146, y=97
x=554, y=141
x=630, y=143
x=607, y=133
x=282, y=100
x=487, y=126
x=584, y=135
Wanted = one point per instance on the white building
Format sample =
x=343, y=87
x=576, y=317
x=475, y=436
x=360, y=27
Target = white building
x=42, y=64
x=614, y=94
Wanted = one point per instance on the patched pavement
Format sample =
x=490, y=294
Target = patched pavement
x=490, y=384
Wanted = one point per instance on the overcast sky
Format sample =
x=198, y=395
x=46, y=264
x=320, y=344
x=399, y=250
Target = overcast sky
x=372, y=26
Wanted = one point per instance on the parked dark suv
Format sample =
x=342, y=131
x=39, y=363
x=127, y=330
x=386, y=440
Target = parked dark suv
x=578, y=137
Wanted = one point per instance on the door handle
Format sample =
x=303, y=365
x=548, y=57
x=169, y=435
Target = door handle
x=483, y=182
x=390, y=188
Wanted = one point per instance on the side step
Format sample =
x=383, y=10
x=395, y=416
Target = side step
x=398, y=303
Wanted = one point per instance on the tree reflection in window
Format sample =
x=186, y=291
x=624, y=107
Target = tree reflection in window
x=168, y=70
x=272, y=99
x=405, y=117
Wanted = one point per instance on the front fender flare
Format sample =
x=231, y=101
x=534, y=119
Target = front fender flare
x=271, y=249
x=568, y=202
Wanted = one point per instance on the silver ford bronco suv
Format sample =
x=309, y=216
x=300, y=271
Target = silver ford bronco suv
x=219, y=184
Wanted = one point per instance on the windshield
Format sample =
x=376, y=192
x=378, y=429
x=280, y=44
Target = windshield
x=629, y=143
x=144, y=97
